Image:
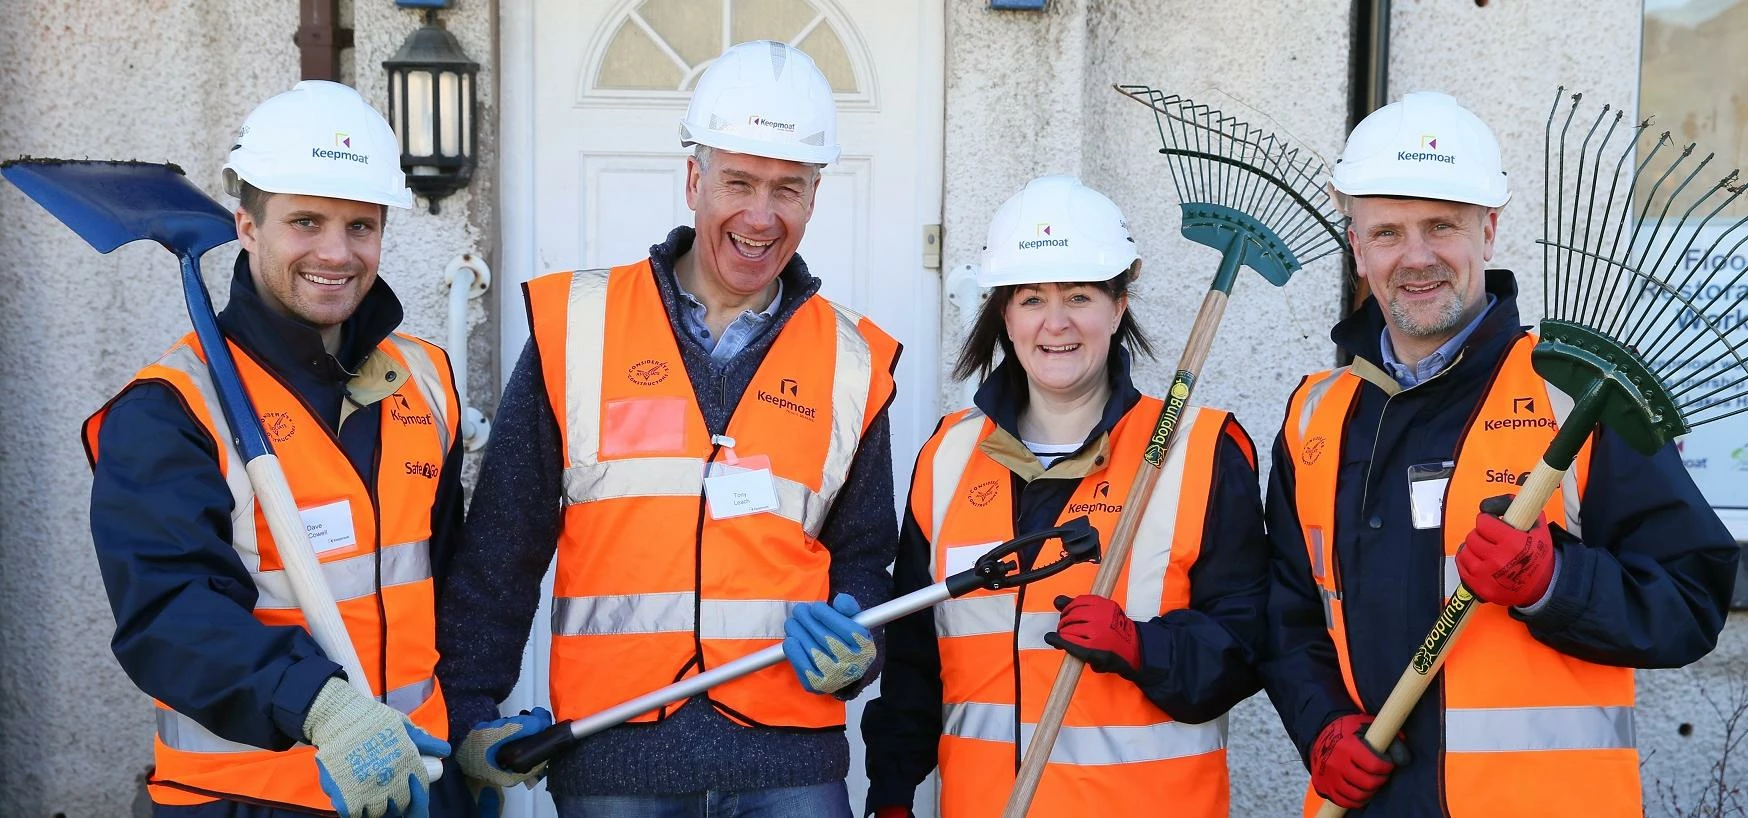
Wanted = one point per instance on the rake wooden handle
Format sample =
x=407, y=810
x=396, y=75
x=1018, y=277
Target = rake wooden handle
x=1541, y=485
x=1116, y=555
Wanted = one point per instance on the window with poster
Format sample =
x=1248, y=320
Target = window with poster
x=1695, y=83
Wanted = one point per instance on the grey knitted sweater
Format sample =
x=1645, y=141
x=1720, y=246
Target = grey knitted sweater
x=484, y=614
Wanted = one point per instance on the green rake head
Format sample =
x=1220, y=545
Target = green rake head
x=1579, y=360
x=1643, y=332
x=1224, y=229
x=1244, y=191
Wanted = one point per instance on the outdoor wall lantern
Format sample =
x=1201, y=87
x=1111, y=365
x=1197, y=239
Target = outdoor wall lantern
x=432, y=104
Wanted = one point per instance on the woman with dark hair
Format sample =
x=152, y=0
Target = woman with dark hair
x=1058, y=432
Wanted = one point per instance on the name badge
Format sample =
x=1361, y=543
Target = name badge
x=1426, y=492
x=329, y=526
x=737, y=489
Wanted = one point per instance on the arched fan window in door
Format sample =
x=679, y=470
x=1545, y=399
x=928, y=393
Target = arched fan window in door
x=664, y=45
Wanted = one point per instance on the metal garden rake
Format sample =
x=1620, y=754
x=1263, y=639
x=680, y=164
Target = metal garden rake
x=1645, y=332
x=1260, y=201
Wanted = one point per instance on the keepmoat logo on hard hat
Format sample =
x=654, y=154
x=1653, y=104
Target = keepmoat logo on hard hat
x=1046, y=238
x=1428, y=152
x=342, y=140
x=322, y=153
x=759, y=121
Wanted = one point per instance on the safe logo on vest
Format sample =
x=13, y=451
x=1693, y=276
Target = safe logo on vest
x=983, y=493
x=648, y=372
x=1510, y=478
x=787, y=388
x=420, y=468
x=278, y=426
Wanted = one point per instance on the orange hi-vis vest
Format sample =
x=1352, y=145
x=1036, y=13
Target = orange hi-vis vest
x=1528, y=730
x=391, y=529
x=1117, y=755
x=651, y=587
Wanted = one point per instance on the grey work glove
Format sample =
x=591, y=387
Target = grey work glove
x=368, y=754
x=478, y=758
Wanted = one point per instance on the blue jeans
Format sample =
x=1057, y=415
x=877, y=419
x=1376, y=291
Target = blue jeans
x=818, y=801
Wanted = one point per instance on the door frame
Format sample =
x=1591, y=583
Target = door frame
x=516, y=227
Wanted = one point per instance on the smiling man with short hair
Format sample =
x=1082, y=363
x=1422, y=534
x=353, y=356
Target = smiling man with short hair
x=253, y=720
x=1374, y=511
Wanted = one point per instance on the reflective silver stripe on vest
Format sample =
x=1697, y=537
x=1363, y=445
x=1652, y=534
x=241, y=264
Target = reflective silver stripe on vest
x=430, y=382
x=669, y=613
x=1089, y=746
x=585, y=337
x=984, y=615
x=352, y=577
x=1150, y=551
x=682, y=477
x=1314, y=394
x=951, y=458
x=974, y=616
x=642, y=477
x=1561, y=404
x=1452, y=578
x=852, y=381
x=183, y=359
x=179, y=732
x=1532, y=729
x=1033, y=626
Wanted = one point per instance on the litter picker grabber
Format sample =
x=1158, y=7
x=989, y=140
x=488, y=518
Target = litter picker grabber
x=1258, y=200
x=1648, y=338
x=109, y=204
x=998, y=569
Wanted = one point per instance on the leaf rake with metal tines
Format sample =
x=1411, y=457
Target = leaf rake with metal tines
x=1258, y=200
x=1646, y=332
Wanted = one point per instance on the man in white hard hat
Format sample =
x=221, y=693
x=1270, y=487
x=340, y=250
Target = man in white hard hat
x=252, y=719
x=703, y=441
x=1375, y=509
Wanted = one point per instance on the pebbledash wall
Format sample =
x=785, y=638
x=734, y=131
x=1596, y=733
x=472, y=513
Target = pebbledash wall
x=1027, y=93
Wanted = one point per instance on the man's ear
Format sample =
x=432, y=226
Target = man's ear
x=694, y=182
x=246, y=230
x=1353, y=245
x=1489, y=229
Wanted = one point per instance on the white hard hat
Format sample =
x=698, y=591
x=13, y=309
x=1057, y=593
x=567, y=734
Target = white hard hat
x=319, y=139
x=764, y=98
x=1423, y=146
x=1056, y=230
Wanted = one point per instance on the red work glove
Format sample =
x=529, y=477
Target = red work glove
x=1095, y=630
x=1345, y=769
x=1503, y=565
x=891, y=811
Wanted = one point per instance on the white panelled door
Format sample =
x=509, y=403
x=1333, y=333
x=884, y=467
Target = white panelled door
x=592, y=94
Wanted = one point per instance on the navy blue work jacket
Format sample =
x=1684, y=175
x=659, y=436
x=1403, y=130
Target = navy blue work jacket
x=1647, y=587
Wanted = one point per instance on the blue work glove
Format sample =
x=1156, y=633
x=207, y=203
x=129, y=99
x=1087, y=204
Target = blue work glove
x=368, y=754
x=827, y=649
x=478, y=759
